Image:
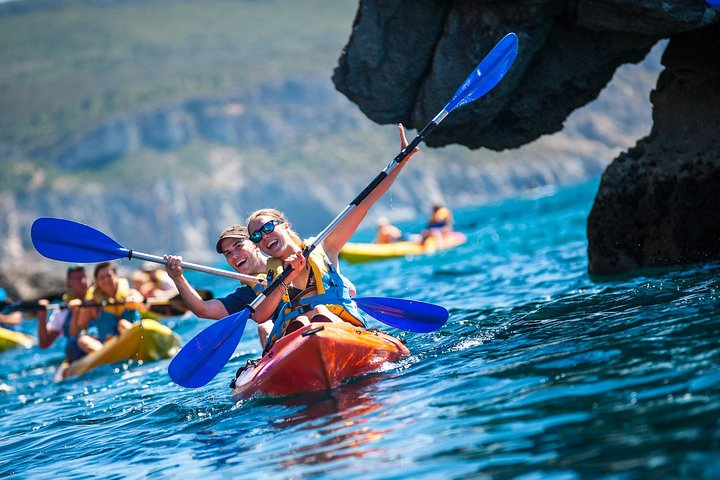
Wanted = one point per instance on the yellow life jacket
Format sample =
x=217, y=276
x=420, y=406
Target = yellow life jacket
x=322, y=270
x=67, y=296
x=441, y=216
x=115, y=305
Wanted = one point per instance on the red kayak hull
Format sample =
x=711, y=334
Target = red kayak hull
x=318, y=357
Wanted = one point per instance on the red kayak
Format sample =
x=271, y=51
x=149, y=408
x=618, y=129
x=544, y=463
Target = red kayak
x=317, y=357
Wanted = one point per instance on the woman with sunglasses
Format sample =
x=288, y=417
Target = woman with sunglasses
x=314, y=290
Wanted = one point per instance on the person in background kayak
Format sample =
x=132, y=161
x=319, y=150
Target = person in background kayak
x=119, y=310
x=315, y=290
x=59, y=322
x=440, y=222
x=387, y=232
x=244, y=257
x=156, y=282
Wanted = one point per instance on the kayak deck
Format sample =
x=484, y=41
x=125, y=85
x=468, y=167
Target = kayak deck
x=147, y=340
x=11, y=339
x=317, y=357
x=368, y=252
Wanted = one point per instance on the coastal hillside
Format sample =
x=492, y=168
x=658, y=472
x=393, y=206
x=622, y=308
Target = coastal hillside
x=161, y=122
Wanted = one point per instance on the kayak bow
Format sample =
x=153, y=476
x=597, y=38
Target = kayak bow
x=319, y=356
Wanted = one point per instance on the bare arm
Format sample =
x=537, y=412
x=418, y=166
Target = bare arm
x=81, y=317
x=45, y=338
x=267, y=307
x=14, y=318
x=334, y=242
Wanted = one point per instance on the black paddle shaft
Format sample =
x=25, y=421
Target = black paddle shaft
x=396, y=161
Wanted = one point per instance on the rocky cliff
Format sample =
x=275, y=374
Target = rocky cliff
x=657, y=204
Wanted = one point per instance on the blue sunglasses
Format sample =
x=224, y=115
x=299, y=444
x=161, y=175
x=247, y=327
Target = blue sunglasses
x=268, y=227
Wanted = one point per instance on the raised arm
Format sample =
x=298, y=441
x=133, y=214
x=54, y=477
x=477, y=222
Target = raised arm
x=337, y=239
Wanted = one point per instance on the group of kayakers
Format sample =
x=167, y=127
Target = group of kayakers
x=88, y=314
x=95, y=312
x=439, y=223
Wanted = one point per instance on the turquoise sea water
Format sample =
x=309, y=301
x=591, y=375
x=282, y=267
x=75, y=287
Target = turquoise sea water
x=539, y=373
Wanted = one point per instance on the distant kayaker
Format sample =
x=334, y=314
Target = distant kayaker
x=60, y=320
x=119, y=310
x=440, y=222
x=154, y=282
x=387, y=232
x=244, y=257
x=315, y=290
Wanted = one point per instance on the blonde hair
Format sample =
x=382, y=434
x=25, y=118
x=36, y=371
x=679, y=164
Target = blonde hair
x=277, y=215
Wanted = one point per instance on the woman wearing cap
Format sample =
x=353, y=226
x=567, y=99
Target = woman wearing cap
x=314, y=290
x=244, y=257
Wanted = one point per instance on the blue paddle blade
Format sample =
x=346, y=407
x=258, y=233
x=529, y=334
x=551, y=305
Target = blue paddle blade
x=202, y=358
x=69, y=241
x=408, y=315
x=490, y=71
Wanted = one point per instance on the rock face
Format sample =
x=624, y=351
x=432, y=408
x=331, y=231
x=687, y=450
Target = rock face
x=235, y=120
x=659, y=203
x=569, y=50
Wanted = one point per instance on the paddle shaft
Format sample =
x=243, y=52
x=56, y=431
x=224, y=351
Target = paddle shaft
x=196, y=267
x=33, y=306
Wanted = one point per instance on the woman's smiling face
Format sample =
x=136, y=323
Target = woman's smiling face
x=273, y=243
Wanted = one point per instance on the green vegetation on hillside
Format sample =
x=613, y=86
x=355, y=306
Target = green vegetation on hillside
x=69, y=65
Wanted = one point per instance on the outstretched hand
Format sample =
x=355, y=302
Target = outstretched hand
x=404, y=142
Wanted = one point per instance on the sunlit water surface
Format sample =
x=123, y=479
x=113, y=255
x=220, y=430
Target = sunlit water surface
x=539, y=373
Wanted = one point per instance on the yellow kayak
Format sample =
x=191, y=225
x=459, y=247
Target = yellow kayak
x=369, y=252
x=12, y=339
x=147, y=340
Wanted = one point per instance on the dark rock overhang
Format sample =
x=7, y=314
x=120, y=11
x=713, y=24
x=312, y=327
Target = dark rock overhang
x=405, y=58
